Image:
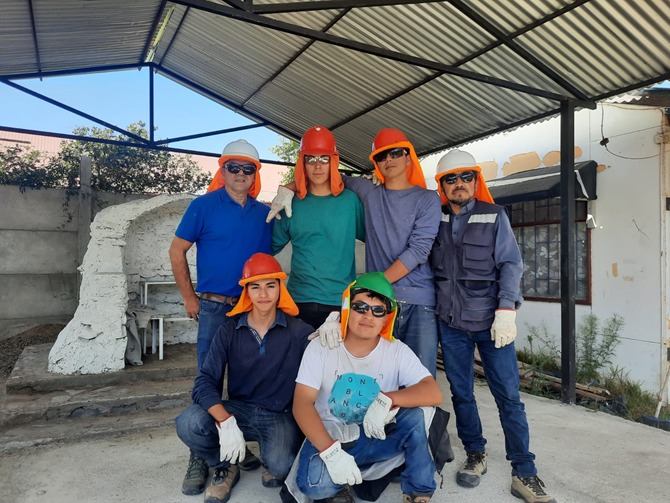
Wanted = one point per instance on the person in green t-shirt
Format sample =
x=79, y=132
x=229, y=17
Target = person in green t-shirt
x=326, y=220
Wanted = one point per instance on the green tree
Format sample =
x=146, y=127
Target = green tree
x=114, y=168
x=287, y=151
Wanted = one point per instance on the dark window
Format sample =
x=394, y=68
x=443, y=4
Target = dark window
x=536, y=225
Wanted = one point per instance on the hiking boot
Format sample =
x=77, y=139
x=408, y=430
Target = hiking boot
x=344, y=496
x=196, y=476
x=406, y=498
x=223, y=481
x=250, y=462
x=269, y=480
x=530, y=489
x=472, y=470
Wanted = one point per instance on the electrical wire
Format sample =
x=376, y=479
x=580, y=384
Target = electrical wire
x=604, y=141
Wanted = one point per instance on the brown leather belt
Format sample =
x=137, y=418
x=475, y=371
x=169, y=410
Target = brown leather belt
x=223, y=299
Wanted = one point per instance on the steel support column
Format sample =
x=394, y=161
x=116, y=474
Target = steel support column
x=568, y=252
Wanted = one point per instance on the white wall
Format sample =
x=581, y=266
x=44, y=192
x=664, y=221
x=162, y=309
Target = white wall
x=628, y=245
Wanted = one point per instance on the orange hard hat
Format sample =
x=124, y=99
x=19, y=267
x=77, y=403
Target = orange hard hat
x=318, y=140
x=261, y=266
x=258, y=267
x=388, y=136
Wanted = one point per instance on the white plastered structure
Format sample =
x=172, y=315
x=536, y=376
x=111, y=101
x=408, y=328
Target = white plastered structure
x=129, y=244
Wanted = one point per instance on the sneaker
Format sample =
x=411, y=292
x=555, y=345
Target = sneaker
x=196, y=476
x=250, y=462
x=344, y=496
x=269, y=480
x=472, y=470
x=223, y=481
x=531, y=490
x=406, y=498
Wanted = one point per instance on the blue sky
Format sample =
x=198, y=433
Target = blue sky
x=122, y=98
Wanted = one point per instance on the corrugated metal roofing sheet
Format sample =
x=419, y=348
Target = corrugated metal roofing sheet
x=444, y=72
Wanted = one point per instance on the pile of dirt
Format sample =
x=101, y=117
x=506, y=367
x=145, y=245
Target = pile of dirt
x=11, y=347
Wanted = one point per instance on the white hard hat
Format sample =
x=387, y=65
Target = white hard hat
x=455, y=159
x=240, y=148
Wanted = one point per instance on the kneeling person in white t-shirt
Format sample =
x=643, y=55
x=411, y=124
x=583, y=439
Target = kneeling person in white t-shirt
x=349, y=406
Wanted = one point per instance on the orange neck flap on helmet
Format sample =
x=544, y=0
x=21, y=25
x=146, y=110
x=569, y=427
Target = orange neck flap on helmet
x=285, y=302
x=301, y=181
x=219, y=181
x=481, y=192
x=386, y=331
x=391, y=138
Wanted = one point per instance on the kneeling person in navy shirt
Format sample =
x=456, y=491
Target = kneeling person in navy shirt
x=261, y=345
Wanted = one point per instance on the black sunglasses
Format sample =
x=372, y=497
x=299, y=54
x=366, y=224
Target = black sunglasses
x=235, y=168
x=394, y=153
x=465, y=176
x=362, y=308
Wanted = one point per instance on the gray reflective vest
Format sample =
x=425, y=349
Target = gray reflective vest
x=466, y=276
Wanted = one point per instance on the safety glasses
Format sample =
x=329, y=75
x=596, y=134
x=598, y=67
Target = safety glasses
x=235, y=168
x=362, y=308
x=394, y=153
x=313, y=159
x=465, y=176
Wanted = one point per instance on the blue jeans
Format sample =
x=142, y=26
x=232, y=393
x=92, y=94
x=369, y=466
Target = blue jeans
x=416, y=326
x=277, y=434
x=409, y=438
x=502, y=376
x=210, y=318
x=314, y=313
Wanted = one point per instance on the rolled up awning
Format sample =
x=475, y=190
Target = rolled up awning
x=543, y=183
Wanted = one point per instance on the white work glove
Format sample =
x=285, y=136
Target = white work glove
x=373, y=178
x=379, y=414
x=231, y=441
x=503, y=330
x=282, y=201
x=330, y=333
x=341, y=466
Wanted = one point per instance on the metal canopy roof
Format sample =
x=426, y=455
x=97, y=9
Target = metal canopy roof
x=443, y=72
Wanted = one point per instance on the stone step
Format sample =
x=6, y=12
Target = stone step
x=78, y=429
x=39, y=408
x=30, y=373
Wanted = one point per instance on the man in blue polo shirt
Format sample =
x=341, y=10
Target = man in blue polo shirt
x=227, y=225
x=261, y=347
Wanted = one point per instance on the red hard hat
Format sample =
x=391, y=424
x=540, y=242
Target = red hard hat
x=261, y=264
x=318, y=141
x=386, y=137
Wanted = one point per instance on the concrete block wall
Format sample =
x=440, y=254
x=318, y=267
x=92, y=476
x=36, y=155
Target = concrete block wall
x=39, y=242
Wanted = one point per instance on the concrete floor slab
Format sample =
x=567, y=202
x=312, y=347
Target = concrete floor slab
x=582, y=456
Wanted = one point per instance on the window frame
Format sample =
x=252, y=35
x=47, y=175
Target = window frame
x=546, y=213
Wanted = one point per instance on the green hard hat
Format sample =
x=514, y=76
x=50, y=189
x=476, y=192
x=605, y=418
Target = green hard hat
x=375, y=282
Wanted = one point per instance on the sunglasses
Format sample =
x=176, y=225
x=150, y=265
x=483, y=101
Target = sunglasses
x=362, y=308
x=235, y=168
x=394, y=153
x=313, y=159
x=465, y=176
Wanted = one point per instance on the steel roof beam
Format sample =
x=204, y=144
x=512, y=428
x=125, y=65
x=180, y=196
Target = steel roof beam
x=293, y=58
x=73, y=110
x=154, y=24
x=366, y=48
x=77, y=71
x=509, y=42
x=210, y=133
x=33, y=28
x=145, y=146
x=281, y=8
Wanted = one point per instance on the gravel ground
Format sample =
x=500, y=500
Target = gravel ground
x=11, y=347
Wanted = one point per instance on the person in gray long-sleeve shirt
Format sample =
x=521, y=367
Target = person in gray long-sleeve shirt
x=478, y=271
x=401, y=220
